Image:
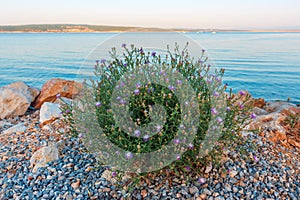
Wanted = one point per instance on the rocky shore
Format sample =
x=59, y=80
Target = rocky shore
x=40, y=160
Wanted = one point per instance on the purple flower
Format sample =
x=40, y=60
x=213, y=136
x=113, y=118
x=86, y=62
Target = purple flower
x=228, y=109
x=158, y=128
x=171, y=87
x=114, y=174
x=150, y=90
x=178, y=157
x=146, y=138
x=191, y=146
x=58, y=95
x=124, y=64
x=255, y=158
x=137, y=133
x=102, y=61
x=80, y=135
x=242, y=106
x=219, y=119
x=141, y=51
x=153, y=54
x=242, y=93
x=128, y=155
x=201, y=180
x=203, y=50
x=137, y=85
x=214, y=111
x=97, y=61
x=200, y=61
x=123, y=45
x=176, y=141
x=122, y=101
x=253, y=116
x=122, y=84
x=218, y=79
x=67, y=111
x=136, y=91
x=98, y=104
x=216, y=94
x=178, y=82
x=187, y=168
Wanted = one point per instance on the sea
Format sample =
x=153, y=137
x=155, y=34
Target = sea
x=265, y=64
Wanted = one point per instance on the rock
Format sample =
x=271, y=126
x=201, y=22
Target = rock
x=76, y=184
x=107, y=174
x=44, y=155
x=193, y=190
x=51, y=88
x=278, y=106
x=208, y=168
x=15, y=99
x=202, y=196
x=207, y=192
x=259, y=111
x=49, y=112
x=63, y=100
x=19, y=128
x=272, y=120
x=233, y=173
x=259, y=103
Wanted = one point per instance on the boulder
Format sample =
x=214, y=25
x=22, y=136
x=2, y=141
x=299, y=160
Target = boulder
x=15, y=99
x=64, y=101
x=55, y=86
x=19, y=128
x=49, y=112
x=259, y=103
x=279, y=106
x=46, y=154
x=259, y=111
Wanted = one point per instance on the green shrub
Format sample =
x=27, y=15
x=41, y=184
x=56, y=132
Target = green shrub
x=205, y=85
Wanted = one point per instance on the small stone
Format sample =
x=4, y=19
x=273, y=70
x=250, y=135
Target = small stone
x=233, y=173
x=202, y=196
x=144, y=193
x=19, y=128
x=193, y=190
x=206, y=191
x=208, y=168
x=76, y=184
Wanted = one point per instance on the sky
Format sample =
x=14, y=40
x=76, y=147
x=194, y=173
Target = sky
x=223, y=14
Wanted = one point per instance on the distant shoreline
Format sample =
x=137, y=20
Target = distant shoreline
x=74, y=28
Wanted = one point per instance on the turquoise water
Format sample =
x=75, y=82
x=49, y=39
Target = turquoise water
x=266, y=64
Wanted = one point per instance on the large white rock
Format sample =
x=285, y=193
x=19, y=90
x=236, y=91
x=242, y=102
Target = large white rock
x=46, y=154
x=15, y=99
x=19, y=128
x=49, y=111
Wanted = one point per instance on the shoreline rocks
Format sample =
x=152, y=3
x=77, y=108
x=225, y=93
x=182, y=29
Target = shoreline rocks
x=38, y=162
x=55, y=86
x=15, y=99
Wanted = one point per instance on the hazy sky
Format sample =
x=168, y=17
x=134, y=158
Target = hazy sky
x=155, y=13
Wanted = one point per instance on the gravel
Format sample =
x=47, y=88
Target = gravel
x=76, y=175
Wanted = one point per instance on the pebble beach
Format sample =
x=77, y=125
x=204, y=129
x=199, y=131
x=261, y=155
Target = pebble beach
x=269, y=171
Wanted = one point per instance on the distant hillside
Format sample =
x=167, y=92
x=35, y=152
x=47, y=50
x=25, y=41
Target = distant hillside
x=74, y=28
x=70, y=28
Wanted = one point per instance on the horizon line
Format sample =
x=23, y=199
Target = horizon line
x=161, y=28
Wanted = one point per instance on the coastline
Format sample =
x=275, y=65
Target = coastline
x=28, y=170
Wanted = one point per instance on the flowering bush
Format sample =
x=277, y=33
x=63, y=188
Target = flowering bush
x=142, y=101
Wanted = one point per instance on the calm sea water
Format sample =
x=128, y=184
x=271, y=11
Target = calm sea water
x=266, y=64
